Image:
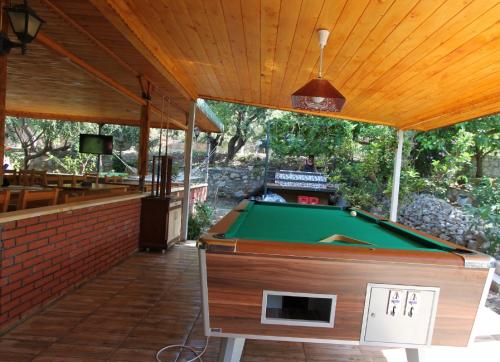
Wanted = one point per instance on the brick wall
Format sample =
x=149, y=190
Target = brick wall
x=42, y=257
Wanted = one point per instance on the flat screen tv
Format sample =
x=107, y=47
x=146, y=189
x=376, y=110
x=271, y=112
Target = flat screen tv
x=96, y=144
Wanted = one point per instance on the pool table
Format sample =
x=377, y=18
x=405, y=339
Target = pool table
x=318, y=273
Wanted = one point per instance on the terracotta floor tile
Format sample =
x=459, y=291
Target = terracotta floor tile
x=61, y=350
x=95, y=338
x=141, y=305
x=21, y=350
x=52, y=358
x=133, y=355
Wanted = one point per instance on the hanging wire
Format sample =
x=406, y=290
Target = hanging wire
x=320, y=74
x=161, y=123
x=168, y=126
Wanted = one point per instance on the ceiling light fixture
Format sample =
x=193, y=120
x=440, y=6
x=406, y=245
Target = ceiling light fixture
x=319, y=94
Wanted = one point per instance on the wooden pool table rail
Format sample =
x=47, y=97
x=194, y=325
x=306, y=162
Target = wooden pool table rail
x=324, y=251
x=212, y=241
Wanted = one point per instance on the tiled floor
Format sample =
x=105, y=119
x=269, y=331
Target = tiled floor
x=141, y=305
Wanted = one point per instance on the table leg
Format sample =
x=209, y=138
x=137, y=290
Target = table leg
x=415, y=354
x=232, y=349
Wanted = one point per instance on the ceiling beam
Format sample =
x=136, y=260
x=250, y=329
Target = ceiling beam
x=82, y=30
x=58, y=48
x=87, y=119
x=134, y=32
x=302, y=111
x=171, y=120
x=96, y=73
x=71, y=117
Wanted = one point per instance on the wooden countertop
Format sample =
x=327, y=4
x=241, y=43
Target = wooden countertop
x=47, y=210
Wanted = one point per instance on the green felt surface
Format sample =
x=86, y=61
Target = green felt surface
x=312, y=223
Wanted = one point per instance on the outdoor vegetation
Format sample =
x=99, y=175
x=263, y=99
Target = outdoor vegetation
x=199, y=220
x=358, y=157
x=53, y=146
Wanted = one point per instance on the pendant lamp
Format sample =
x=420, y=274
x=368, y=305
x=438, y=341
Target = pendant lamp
x=319, y=94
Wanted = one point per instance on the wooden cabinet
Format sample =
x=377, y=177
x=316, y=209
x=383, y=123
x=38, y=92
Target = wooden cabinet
x=154, y=223
x=160, y=222
x=160, y=218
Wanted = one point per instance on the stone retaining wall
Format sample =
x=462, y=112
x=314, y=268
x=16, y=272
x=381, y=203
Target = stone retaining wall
x=439, y=218
x=234, y=182
x=491, y=166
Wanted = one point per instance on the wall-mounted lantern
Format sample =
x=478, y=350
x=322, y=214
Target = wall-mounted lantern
x=25, y=23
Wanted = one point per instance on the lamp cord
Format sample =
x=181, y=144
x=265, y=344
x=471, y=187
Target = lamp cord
x=320, y=74
x=196, y=353
x=161, y=123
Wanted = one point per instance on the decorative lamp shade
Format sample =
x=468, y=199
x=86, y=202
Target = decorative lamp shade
x=25, y=23
x=318, y=95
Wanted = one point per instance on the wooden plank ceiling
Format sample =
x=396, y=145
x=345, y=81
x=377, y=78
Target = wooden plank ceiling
x=70, y=74
x=407, y=63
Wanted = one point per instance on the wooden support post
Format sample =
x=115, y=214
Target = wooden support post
x=395, y=177
x=143, y=143
x=188, y=159
x=99, y=157
x=3, y=89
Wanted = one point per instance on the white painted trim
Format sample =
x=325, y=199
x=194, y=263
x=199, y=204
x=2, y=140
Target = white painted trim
x=396, y=177
x=284, y=338
x=295, y=322
x=188, y=160
x=482, y=302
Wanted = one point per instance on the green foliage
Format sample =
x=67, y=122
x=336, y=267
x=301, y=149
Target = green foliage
x=199, y=220
x=118, y=166
x=486, y=208
x=124, y=137
x=42, y=138
x=57, y=143
x=77, y=163
x=301, y=135
x=242, y=123
x=448, y=154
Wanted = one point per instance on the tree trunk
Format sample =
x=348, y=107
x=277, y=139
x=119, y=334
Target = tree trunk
x=26, y=158
x=213, y=149
x=231, y=148
x=479, y=164
x=239, y=144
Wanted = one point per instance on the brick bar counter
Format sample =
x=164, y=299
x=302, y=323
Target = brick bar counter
x=49, y=250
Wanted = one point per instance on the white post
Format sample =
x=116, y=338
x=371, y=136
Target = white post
x=231, y=349
x=188, y=159
x=395, y=178
x=207, y=171
x=416, y=354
